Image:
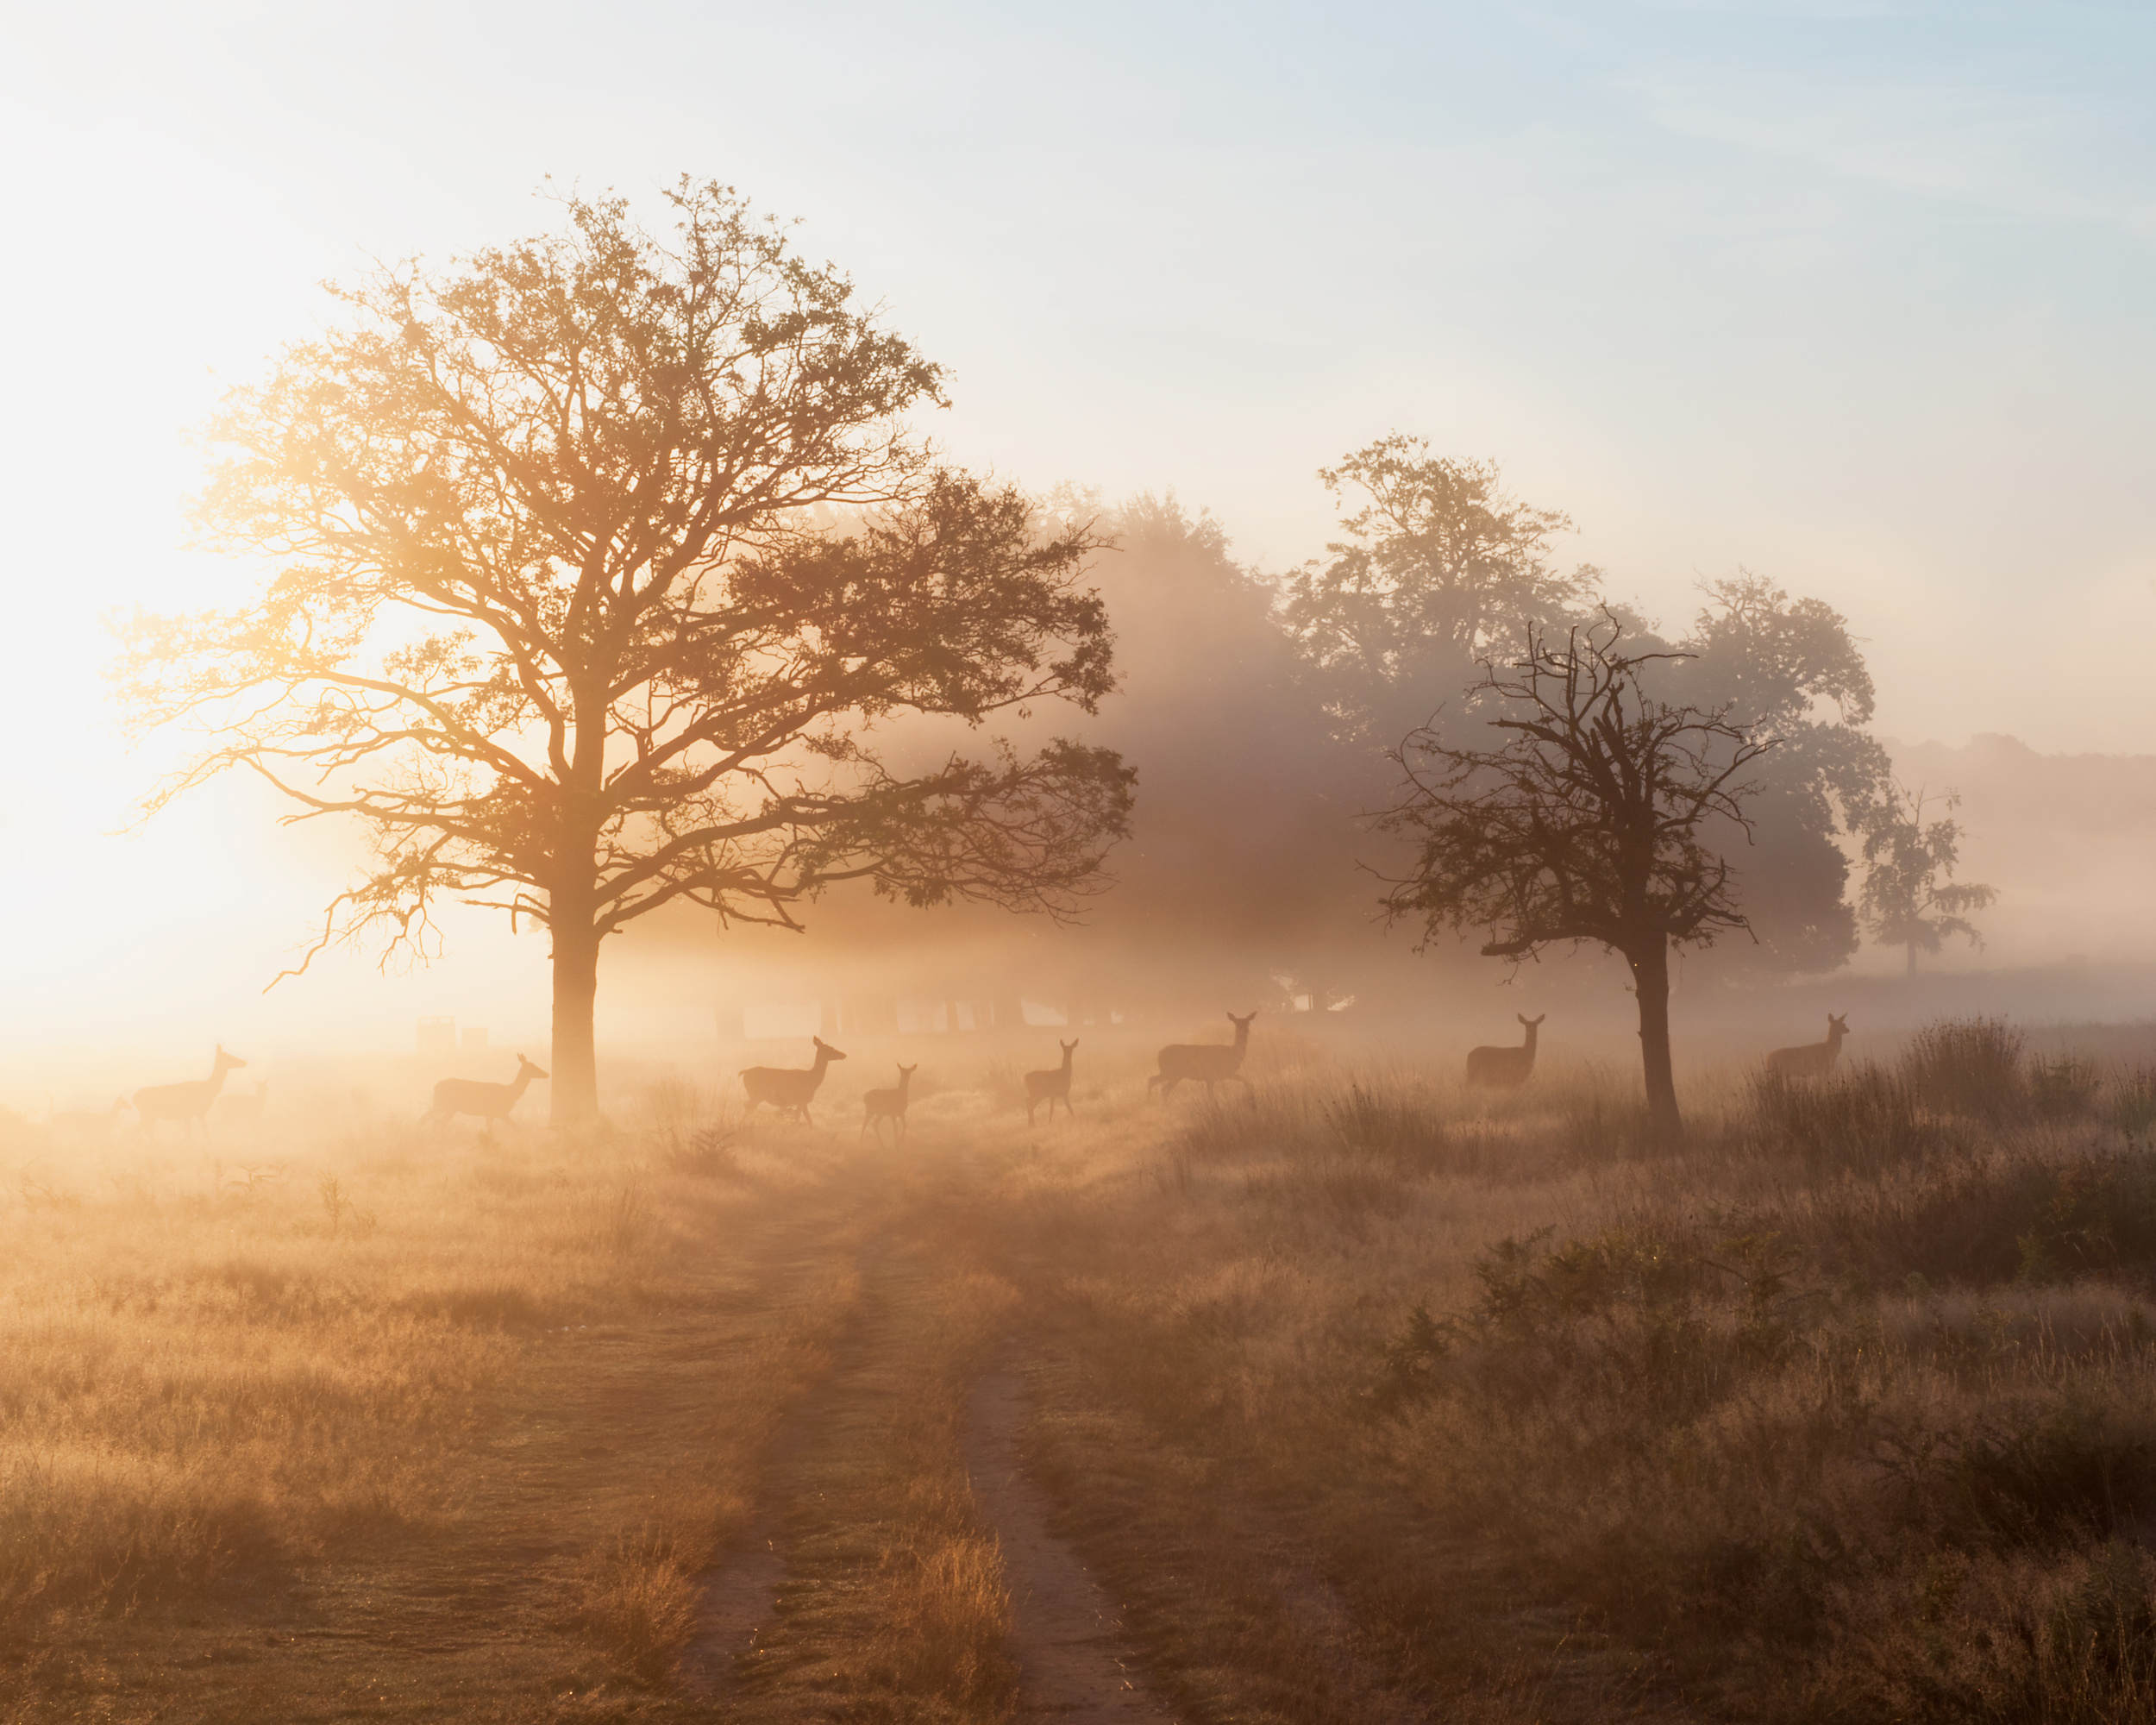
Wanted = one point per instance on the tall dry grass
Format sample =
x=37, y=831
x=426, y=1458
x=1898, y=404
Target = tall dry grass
x=1865, y=1369
x=213, y=1371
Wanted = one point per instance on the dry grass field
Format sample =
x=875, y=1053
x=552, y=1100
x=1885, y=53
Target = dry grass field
x=1359, y=1398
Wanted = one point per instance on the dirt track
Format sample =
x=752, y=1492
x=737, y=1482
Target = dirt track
x=1074, y=1659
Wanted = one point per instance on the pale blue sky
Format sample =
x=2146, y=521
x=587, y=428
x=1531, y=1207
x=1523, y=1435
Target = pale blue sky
x=1856, y=295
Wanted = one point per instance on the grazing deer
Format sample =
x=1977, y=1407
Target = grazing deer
x=489, y=1103
x=186, y=1104
x=1814, y=1059
x=1051, y=1088
x=1206, y=1063
x=789, y=1089
x=879, y=1106
x=1504, y=1068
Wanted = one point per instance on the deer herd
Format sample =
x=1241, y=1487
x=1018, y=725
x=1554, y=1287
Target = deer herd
x=1506, y=1066
x=1494, y=1067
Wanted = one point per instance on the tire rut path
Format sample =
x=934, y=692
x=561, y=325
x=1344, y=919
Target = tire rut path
x=741, y=1591
x=1075, y=1663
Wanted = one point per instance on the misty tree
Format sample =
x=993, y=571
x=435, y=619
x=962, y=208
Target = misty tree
x=1910, y=898
x=1584, y=826
x=1438, y=568
x=1788, y=670
x=590, y=569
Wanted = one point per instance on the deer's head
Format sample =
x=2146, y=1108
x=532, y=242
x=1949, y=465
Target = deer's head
x=1837, y=1027
x=524, y=1067
x=1530, y=1022
x=824, y=1049
x=1067, y=1047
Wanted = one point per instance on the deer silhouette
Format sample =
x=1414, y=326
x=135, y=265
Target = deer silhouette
x=187, y=1105
x=1050, y=1087
x=489, y=1103
x=83, y=1123
x=788, y=1090
x=1811, y=1059
x=1206, y=1063
x=879, y=1106
x=1504, y=1068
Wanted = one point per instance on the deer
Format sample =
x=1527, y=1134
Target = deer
x=1206, y=1063
x=1051, y=1087
x=1504, y=1068
x=186, y=1104
x=789, y=1089
x=879, y=1106
x=489, y=1103
x=1813, y=1059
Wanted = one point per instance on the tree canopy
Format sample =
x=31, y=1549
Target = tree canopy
x=1439, y=567
x=591, y=567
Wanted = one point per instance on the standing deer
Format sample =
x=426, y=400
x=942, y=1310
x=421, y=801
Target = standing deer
x=879, y=1106
x=1206, y=1063
x=1813, y=1059
x=788, y=1089
x=1051, y=1087
x=490, y=1103
x=1504, y=1068
x=186, y=1104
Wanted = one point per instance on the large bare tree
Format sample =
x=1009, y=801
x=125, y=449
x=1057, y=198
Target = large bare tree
x=592, y=569
x=1584, y=826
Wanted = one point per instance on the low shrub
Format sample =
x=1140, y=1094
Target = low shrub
x=2064, y=1640
x=638, y=1599
x=2036, y=1472
x=1392, y=1127
x=1971, y=1067
x=1867, y=1119
x=2065, y=1088
x=2092, y=1215
x=950, y=1614
x=2130, y=1104
x=1602, y=1129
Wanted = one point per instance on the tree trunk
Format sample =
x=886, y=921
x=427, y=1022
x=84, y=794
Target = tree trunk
x=1650, y=982
x=575, y=992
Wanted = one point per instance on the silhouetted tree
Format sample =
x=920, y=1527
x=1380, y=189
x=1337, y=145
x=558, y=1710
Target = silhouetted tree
x=1910, y=898
x=551, y=612
x=1585, y=826
x=1438, y=568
